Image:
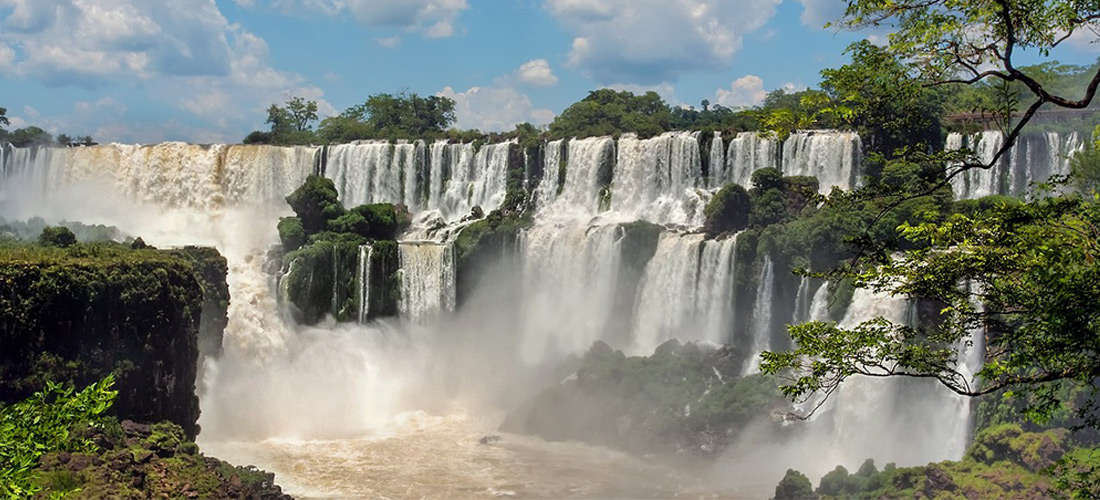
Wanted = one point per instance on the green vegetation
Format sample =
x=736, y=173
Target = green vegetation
x=607, y=112
x=683, y=398
x=794, y=486
x=290, y=124
x=78, y=313
x=35, y=136
x=32, y=229
x=728, y=211
x=60, y=443
x=1002, y=462
x=47, y=422
x=57, y=236
x=382, y=116
x=386, y=116
x=876, y=95
x=322, y=243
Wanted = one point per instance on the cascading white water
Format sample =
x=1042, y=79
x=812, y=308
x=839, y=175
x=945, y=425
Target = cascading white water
x=717, y=162
x=276, y=378
x=1034, y=158
x=656, y=179
x=570, y=276
x=747, y=153
x=449, y=178
x=365, y=253
x=762, y=317
x=819, y=306
x=685, y=293
x=427, y=280
x=716, y=289
x=547, y=190
x=832, y=157
x=586, y=159
x=666, y=306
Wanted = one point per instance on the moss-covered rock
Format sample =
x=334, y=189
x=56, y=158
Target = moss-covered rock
x=378, y=221
x=291, y=233
x=138, y=461
x=728, y=211
x=683, y=399
x=78, y=313
x=211, y=269
x=489, y=242
x=321, y=278
x=316, y=202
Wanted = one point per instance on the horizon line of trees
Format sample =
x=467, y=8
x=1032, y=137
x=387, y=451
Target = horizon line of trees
x=36, y=136
x=875, y=94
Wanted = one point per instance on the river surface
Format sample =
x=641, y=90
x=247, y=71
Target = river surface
x=425, y=456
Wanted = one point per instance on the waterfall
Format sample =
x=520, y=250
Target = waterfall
x=832, y=157
x=747, y=153
x=547, y=190
x=427, y=280
x=819, y=306
x=656, y=179
x=1034, y=158
x=717, y=162
x=365, y=252
x=667, y=303
x=586, y=160
x=908, y=421
x=716, y=289
x=449, y=178
x=762, y=317
x=570, y=277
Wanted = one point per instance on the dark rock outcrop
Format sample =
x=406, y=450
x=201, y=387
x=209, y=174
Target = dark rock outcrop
x=77, y=314
x=139, y=461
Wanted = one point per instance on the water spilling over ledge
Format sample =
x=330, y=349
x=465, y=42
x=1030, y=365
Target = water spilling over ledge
x=585, y=270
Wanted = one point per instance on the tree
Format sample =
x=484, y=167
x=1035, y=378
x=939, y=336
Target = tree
x=1024, y=273
x=387, y=116
x=876, y=94
x=967, y=42
x=29, y=136
x=610, y=112
x=57, y=236
x=290, y=124
x=64, y=140
x=301, y=113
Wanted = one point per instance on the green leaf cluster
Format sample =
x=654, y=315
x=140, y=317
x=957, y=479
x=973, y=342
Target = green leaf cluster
x=47, y=422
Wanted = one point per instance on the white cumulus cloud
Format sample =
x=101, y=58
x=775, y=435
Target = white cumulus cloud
x=536, y=73
x=494, y=109
x=181, y=52
x=745, y=91
x=654, y=41
x=432, y=18
x=817, y=13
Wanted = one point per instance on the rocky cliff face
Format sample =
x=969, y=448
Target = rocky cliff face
x=79, y=313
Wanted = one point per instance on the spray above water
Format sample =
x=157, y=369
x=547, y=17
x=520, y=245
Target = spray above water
x=576, y=278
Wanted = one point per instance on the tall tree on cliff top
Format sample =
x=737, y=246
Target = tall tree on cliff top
x=1024, y=274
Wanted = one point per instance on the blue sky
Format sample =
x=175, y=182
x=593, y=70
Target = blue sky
x=205, y=70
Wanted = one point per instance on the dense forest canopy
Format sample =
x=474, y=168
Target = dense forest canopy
x=1022, y=272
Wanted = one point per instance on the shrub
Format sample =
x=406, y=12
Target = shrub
x=44, y=423
x=794, y=486
x=57, y=237
x=291, y=233
x=728, y=211
x=316, y=202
